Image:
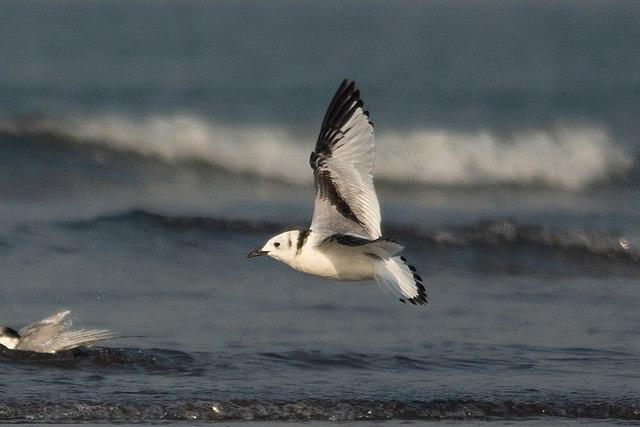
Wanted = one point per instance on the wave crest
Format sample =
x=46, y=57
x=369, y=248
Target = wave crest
x=313, y=410
x=567, y=157
x=570, y=157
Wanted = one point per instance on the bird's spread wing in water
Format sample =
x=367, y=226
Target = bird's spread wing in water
x=51, y=335
x=342, y=165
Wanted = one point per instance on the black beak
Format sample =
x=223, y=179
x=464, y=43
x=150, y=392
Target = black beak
x=257, y=253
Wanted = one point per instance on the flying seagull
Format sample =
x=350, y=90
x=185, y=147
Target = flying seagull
x=50, y=335
x=344, y=241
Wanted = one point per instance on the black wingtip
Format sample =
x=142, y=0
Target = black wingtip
x=340, y=98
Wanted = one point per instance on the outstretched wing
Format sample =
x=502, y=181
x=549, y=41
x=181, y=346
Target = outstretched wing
x=342, y=163
x=51, y=335
x=80, y=338
x=39, y=335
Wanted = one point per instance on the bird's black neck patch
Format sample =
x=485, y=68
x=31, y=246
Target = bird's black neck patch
x=8, y=332
x=302, y=237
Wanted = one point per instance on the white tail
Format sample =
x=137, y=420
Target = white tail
x=401, y=279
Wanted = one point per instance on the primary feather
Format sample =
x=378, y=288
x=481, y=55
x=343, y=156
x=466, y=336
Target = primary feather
x=342, y=164
x=52, y=334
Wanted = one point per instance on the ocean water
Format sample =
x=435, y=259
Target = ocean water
x=147, y=147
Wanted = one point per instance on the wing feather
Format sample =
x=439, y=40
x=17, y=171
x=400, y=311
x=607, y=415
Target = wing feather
x=38, y=335
x=51, y=335
x=342, y=164
x=81, y=338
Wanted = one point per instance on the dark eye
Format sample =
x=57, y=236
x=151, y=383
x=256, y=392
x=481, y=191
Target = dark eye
x=276, y=244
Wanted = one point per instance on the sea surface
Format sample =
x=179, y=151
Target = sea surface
x=147, y=147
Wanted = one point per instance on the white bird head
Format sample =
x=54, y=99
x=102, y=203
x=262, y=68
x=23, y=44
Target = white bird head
x=9, y=338
x=283, y=247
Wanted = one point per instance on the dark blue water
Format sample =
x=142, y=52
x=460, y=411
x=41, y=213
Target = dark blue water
x=146, y=148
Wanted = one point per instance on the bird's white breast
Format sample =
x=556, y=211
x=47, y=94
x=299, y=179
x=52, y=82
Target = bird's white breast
x=335, y=262
x=9, y=342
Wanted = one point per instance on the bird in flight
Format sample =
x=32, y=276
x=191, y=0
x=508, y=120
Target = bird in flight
x=344, y=241
x=50, y=335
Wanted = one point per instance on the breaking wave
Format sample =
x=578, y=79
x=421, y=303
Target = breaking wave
x=206, y=405
x=312, y=410
x=570, y=157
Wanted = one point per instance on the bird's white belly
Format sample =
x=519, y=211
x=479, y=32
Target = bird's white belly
x=335, y=263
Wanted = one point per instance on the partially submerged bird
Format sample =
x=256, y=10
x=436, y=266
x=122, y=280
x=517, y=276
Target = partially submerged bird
x=50, y=335
x=344, y=241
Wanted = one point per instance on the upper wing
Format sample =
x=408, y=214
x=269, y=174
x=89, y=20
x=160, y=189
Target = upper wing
x=38, y=336
x=342, y=165
x=51, y=335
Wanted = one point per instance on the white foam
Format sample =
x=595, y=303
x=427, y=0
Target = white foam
x=263, y=151
x=568, y=157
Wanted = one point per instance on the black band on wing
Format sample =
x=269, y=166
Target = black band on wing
x=344, y=104
x=348, y=240
x=326, y=189
x=351, y=240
